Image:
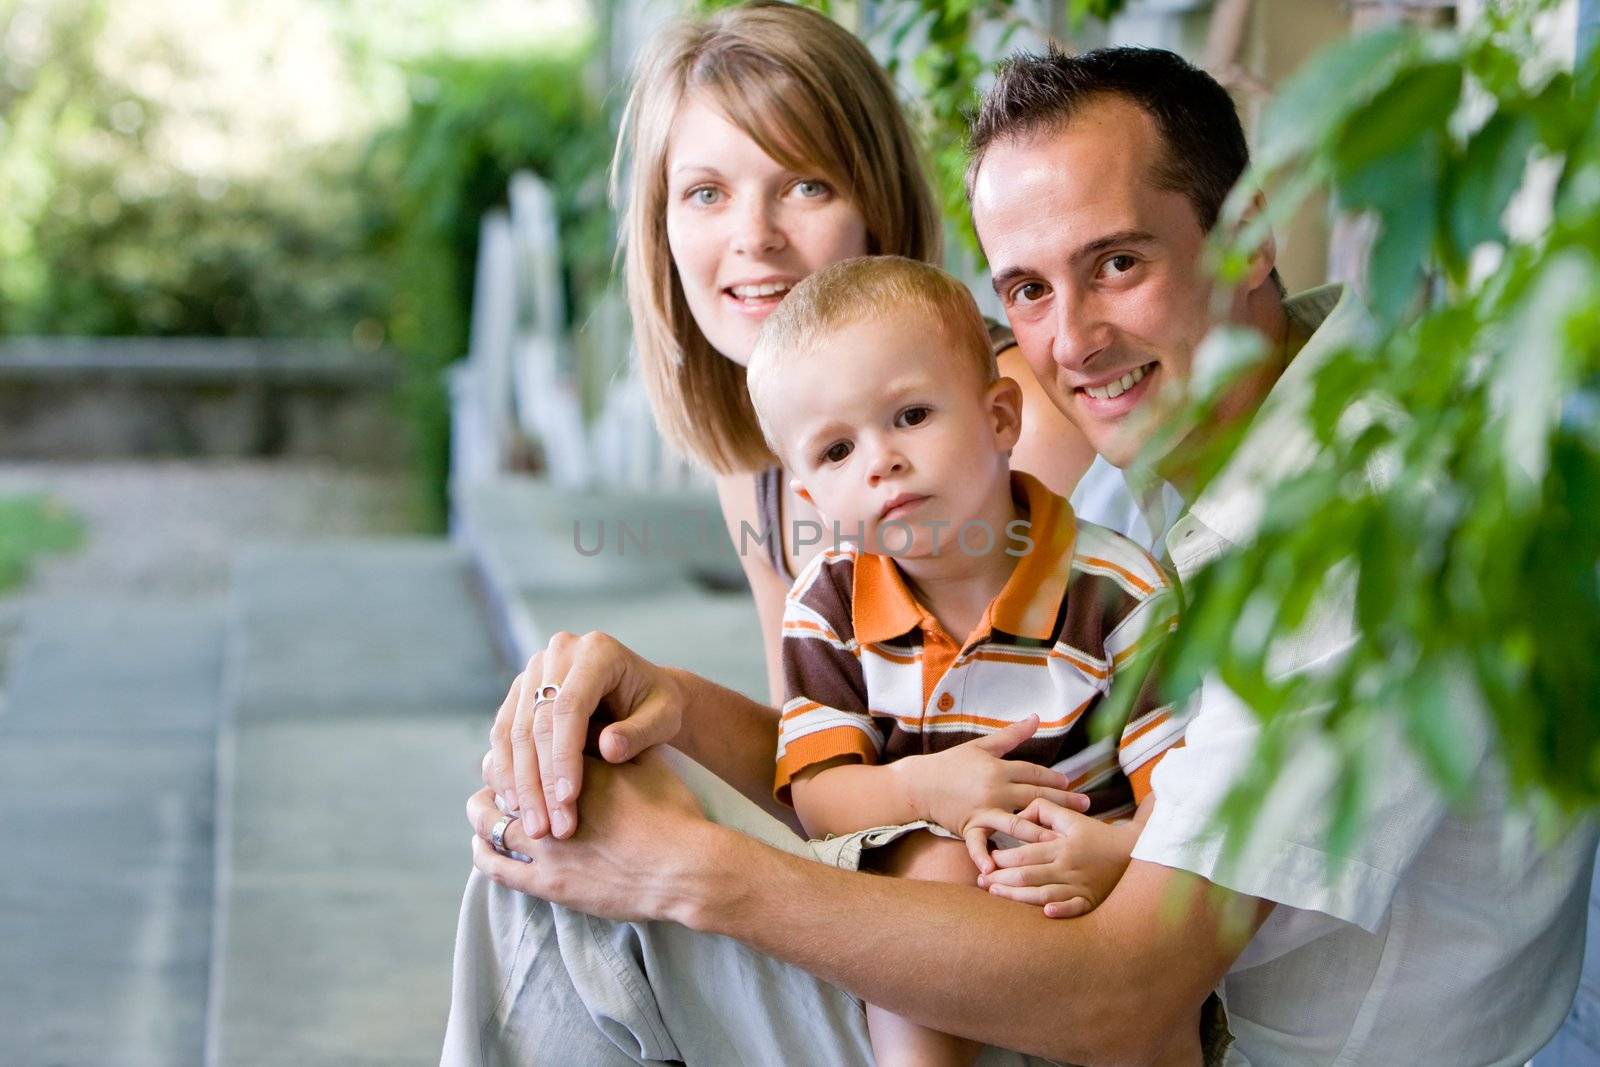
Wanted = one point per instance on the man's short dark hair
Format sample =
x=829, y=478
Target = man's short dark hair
x=1204, y=149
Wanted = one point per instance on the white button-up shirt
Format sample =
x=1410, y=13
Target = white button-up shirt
x=1443, y=936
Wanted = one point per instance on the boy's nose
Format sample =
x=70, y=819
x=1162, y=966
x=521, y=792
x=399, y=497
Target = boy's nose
x=886, y=464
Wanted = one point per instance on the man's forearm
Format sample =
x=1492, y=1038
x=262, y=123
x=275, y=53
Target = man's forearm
x=732, y=736
x=1089, y=990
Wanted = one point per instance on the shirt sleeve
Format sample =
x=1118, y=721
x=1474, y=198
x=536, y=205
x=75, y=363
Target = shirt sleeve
x=1152, y=728
x=1286, y=858
x=824, y=713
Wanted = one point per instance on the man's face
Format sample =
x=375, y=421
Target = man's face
x=1099, y=270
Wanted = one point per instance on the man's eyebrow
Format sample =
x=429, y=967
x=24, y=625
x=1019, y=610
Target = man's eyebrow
x=1093, y=248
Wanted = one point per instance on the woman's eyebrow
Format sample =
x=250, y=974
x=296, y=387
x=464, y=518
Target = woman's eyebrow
x=695, y=168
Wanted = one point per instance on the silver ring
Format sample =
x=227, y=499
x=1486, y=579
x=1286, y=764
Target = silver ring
x=497, y=836
x=546, y=694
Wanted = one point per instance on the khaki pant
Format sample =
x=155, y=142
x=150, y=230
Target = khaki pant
x=535, y=983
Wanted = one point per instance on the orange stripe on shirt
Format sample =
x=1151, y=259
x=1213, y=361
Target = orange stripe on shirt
x=817, y=748
x=1133, y=579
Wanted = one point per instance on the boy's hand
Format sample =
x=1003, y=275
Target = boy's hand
x=1067, y=862
x=950, y=787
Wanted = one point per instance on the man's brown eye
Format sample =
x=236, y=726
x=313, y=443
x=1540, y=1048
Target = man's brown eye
x=1122, y=264
x=1030, y=291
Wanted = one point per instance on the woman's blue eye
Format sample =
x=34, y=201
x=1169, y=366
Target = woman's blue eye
x=811, y=188
x=836, y=452
x=705, y=194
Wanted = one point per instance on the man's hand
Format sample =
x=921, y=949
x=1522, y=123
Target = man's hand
x=535, y=760
x=639, y=852
x=950, y=787
x=1067, y=862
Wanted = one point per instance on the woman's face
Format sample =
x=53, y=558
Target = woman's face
x=744, y=229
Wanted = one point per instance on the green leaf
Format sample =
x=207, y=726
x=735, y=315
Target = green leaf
x=1418, y=102
x=1480, y=184
x=1329, y=86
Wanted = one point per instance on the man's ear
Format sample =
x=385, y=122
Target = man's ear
x=800, y=491
x=1265, y=256
x=1004, y=403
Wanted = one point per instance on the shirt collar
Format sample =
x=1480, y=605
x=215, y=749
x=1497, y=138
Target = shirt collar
x=883, y=607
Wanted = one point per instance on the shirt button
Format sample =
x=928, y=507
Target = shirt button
x=946, y=701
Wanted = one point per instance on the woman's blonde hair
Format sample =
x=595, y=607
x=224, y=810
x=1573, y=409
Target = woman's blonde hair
x=812, y=97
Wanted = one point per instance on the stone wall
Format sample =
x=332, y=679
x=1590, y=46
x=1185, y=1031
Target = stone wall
x=76, y=398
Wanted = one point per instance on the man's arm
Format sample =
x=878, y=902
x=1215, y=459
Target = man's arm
x=1110, y=987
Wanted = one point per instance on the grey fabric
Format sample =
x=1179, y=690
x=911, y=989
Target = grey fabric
x=537, y=984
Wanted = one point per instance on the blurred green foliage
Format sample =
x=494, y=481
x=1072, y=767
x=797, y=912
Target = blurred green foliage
x=104, y=234
x=31, y=526
x=471, y=124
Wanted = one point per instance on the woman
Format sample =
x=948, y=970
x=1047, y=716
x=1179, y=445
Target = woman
x=758, y=145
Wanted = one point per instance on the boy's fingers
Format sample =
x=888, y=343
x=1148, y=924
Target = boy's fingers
x=1063, y=798
x=1032, y=875
x=977, y=839
x=1024, y=855
x=1033, y=774
x=1007, y=823
x=1002, y=741
x=1067, y=909
x=1022, y=894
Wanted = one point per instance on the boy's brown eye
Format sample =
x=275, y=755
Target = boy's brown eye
x=837, y=451
x=913, y=416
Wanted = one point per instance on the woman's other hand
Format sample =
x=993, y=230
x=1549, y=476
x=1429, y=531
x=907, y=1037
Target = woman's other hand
x=535, y=760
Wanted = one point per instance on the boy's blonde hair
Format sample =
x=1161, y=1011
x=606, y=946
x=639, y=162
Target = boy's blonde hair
x=813, y=98
x=846, y=293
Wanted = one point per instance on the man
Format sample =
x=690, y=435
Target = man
x=1435, y=940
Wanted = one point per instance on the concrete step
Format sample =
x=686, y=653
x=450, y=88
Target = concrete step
x=107, y=750
x=656, y=570
x=361, y=683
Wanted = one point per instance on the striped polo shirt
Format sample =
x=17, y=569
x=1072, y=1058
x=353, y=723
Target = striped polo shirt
x=870, y=673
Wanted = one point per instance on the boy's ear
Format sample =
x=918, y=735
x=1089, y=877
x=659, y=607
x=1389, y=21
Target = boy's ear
x=800, y=491
x=1004, y=401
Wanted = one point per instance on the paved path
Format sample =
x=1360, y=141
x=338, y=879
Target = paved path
x=115, y=664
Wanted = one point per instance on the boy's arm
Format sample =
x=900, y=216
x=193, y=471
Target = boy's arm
x=841, y=797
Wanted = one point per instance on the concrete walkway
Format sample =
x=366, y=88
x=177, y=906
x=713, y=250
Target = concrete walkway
x=230, y=796
x=107, y=750
x=362, y=683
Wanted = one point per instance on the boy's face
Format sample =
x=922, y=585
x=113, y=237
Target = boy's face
x=888, y=423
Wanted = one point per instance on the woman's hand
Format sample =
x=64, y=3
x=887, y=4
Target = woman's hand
x=645, y=851
x=1067, y=862
x=950, y=787
x=535, y=760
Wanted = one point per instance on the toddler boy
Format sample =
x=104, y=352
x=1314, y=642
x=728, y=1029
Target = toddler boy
x=960, y=616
